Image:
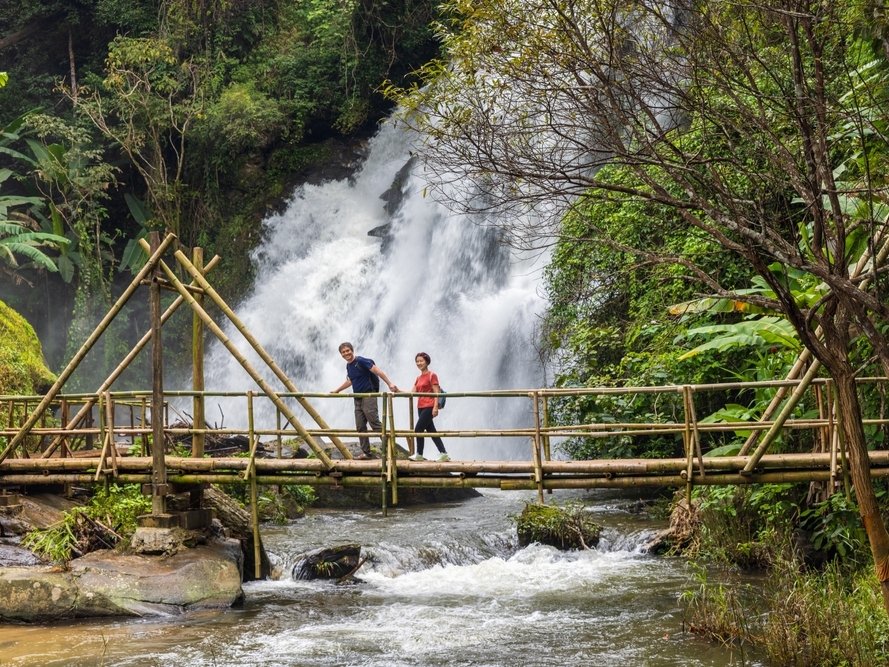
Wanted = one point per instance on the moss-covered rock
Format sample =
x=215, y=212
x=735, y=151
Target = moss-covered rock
x=23, y=370
x=568, y=527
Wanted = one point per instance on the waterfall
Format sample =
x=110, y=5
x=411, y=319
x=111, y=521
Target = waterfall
x=439, y=282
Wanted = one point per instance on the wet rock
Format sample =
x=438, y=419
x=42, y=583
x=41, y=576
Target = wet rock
x=107, y=583
x=566, y=528
x=328, y=563
x=12, y=555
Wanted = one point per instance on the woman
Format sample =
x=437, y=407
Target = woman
x=427, y=407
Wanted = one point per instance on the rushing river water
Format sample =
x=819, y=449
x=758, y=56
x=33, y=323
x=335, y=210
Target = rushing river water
x=443, y=585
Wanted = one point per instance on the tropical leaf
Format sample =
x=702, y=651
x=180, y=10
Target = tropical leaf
x=726, y=450
x=33, y=253
x=763, y=331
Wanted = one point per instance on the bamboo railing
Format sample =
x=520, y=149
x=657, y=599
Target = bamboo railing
x=99, y=445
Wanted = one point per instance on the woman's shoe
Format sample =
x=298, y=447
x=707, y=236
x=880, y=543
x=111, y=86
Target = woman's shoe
x=444, y=457
x=416, y=457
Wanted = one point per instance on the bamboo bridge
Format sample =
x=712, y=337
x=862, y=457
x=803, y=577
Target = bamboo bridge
x=111, y=441
x=64, y=439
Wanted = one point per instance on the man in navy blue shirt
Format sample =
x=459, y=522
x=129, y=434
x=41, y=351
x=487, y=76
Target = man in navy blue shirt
x=364, y=376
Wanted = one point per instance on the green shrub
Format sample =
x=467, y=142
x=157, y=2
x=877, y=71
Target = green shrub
x=803, y=618
x=109, y=519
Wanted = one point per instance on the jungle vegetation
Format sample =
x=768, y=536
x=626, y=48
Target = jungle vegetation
x=195, y=117
x=706, y=175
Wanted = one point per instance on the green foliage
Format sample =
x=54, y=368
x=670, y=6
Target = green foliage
x=247, y=119
x=107, y=520
x=608, y=322
x=835, y=530
x=20, y=233
x=118, y=507
x=289, y=503
x=717, y=611
x=824, y=619
x=801, y=619
x=273, y=505
x=753, y=332
x=747, y=526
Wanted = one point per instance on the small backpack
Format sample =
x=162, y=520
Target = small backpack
x=441, y=398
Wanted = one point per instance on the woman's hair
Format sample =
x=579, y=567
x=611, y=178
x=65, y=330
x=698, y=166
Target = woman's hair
x=425, y=356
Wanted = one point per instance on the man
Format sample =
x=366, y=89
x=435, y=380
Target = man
x=361, y=375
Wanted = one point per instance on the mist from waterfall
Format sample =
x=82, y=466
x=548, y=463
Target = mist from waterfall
x=440, y=283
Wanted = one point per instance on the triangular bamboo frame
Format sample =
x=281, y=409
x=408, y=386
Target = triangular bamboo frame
x=803, y=359
x=155, y=261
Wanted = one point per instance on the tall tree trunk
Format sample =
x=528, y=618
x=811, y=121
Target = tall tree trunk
x=852, y=431
x=72, y=68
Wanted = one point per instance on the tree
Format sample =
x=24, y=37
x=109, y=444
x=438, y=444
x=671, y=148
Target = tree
x=147, y=105
x=763, y=125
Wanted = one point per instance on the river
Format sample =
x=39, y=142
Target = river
x=444, y=584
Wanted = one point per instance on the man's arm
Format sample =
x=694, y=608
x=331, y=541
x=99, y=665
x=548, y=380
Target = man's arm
x=347, y=383
x=376, y=370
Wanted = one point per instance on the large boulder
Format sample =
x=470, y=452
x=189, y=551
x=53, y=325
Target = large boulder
x=328, y=563
x=567, y=527
x=23, y=370
x=106, y=583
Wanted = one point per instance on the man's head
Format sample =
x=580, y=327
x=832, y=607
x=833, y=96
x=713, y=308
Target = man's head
x=347, y=351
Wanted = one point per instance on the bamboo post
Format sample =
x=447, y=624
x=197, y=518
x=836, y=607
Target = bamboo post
x=267, y=390
x=535, y=448
x=158, y=453
x=106, y=435
x=124, y=364
x=88, y=441
x=197, y=364
x=393, y=449
x=546, y=443
x=384, y=455
x=689, y=448
x=786, y=411
x=132, y=429
x=411, y=447
x=87, y=346
x=144, y=419
x=254, y=343
x=66, y=450
x=109, y=425
x=695, y=431
x=102, y=438
x=42, y=437
x=250, y=473
x=279, y=444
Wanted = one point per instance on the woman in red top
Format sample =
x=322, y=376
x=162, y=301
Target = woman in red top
x=427, y=407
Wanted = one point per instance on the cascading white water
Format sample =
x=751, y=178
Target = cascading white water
x=442, y=284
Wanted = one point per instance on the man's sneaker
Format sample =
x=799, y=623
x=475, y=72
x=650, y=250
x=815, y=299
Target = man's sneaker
x=416, y=457
x=444, y=457
x=364, y=456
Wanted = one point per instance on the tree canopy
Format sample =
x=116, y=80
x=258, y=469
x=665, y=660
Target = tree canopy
x=762, y=126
